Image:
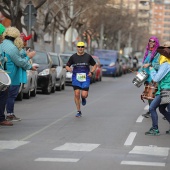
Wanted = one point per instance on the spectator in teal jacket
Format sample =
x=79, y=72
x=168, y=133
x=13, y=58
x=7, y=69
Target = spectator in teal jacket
x=11, y=45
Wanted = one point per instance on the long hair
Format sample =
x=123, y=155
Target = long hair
x=154, y=49
x=13, y=34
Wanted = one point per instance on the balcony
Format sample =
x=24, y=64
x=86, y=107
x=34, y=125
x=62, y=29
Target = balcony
x=143, y=15
x=144, y=7
x=143, y=24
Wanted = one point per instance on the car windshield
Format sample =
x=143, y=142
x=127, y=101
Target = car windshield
x=65, y=58
x=55, y=59
x=106, y=54
x=40, y=58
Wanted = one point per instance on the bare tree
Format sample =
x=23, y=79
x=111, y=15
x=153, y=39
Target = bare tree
x=13, y=10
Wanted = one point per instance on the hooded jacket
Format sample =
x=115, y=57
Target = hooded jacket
x=162, y=76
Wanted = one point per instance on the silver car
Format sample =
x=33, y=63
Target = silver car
x=30, y=88
x=65, y=58
x=60, y=70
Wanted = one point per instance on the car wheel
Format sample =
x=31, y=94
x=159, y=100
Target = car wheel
x=63, y=86
x=20, y=96
x=48, y=89
x=34, y=92
x=53, y=89
x=59, y=88
x=27, y=95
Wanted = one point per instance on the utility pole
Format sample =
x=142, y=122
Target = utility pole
x=101, y=35
x=71, y=27
x=120, y=31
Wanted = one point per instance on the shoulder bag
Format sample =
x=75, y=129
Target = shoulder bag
x=165, y=96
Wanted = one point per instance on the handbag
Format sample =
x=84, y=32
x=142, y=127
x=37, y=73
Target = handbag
x=165, y=96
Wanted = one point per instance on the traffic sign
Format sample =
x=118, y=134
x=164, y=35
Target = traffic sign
x=30, y=14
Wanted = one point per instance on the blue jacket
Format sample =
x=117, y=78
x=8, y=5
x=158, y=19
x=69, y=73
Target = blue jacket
x=14, y=62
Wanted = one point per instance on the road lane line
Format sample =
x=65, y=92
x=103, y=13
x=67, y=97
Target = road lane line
x=60, y=119
x=150, y=150
x=130, y=139
x=142, y=163
x=51, y=124
x=86, y=147
x=56, y=160
x=146, y=107
x=12, y=144
x=140, y=119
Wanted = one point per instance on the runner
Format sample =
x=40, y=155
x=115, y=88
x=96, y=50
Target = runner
x=80, y=63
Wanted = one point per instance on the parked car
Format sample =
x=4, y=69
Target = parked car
x=46, y=72
x=30, y=88
x=98, y=72
x=65, y=58
x=60, y=71
x=125, y=64
x=140, y=64
x=110, y=63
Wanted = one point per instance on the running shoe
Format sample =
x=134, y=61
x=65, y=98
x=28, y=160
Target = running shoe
x=153, y=132
x=79, y=114
x=147, y=115
x=83, y=101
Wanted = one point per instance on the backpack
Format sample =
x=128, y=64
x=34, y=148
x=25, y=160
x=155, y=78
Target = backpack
x=3, y=59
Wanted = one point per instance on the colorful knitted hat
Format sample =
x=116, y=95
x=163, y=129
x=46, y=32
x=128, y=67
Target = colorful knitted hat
x=2, y=29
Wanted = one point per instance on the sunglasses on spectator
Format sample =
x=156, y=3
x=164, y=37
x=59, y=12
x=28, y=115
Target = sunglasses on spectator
x=151, y=41
x=80, y=46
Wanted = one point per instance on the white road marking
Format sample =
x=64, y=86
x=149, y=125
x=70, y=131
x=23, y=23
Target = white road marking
x=142, y=163
x=146, y=107
x=56, y=160
x=130, y=139
x=11, y=144
x=140, y=119
x=77, y=147
x=148, y=150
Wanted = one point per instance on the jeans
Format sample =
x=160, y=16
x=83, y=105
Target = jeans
x=162, y=108
x=12, y=94
x=3, y=99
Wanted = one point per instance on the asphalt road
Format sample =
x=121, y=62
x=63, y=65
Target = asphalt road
x=109, y=136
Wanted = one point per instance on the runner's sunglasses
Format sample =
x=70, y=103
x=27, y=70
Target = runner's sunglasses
x=80, y=46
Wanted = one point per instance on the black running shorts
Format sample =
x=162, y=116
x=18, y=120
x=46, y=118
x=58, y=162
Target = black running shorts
x=77, y=87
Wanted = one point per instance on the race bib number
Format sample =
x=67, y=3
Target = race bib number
x=81, y=77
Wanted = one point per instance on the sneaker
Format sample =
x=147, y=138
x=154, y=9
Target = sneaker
x=6, y=123
x=83, y=101
x=13, y=118
x=153, y=132
x=79, y=114
x=147, y=115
